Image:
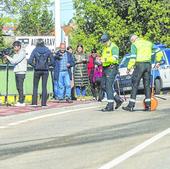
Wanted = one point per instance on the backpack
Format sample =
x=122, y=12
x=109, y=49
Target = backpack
x=41, y=62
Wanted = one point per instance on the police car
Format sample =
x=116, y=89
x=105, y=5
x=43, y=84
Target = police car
x=160, y=77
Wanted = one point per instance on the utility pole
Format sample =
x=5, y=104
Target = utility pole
x=57, y=23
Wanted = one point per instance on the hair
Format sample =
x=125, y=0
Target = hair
x=80, y=45
x=69, y=47
x=16, y=43
x=40, y=42
x=94, y=50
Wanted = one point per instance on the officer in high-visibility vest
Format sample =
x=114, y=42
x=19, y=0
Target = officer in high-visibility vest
x=140, y=60
x=109, y=61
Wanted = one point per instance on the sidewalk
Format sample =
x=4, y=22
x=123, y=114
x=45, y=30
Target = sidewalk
x=12, y=110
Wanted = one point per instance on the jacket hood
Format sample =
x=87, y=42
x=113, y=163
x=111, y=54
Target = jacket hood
x=41, y=49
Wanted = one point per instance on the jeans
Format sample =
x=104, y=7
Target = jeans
x=19, y=78
x=64, y=85
x=37, y=76
x=80, y=91
x=56, y=88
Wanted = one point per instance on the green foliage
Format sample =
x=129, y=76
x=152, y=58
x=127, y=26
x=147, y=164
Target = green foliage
x=1, y=35
x=120, y=18
x=34, y=17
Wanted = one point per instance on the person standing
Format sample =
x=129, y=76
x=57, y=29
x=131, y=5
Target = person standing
x=40, y=59
x=70, y=50
x=109, y=61
x=62, y=73
x=80, y=72
x=141, y=53
x=20, y=67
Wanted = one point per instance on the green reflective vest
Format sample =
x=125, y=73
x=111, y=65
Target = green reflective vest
x=141, y=51
x=107, y=57
x=144, y=50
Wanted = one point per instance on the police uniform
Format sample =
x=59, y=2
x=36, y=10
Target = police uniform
x=109, y=60
x=141, y=53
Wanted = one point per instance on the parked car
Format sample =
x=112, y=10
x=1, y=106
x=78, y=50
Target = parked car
x=160, y=77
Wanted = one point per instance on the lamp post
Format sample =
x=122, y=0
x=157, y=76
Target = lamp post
x=57, y=23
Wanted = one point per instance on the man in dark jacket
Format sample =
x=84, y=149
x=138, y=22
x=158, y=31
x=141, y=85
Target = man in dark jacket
x=41, y=58
x=62, y=73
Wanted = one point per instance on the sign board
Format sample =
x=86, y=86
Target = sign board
x=29, y=42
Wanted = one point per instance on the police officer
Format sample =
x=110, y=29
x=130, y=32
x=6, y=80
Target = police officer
x=109, y=61
x=141, y=52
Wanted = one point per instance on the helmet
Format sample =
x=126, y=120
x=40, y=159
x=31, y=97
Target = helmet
x=105, y=37
x=16, y=43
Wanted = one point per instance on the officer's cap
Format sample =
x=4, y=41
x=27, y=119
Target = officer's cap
x=105, y=37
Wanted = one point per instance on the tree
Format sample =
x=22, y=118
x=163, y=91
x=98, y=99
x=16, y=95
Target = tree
x=120, y=18
x=34, y=17
x=1, y=35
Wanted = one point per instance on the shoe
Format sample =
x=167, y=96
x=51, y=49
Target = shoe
x=44, y=106
x=68, y=100
x=73, y=98
x=109, y=107
x=118, y=104
x=147, y=109
x=127, y=108
x=61, y=101
x=104, y=99
x=18, y=104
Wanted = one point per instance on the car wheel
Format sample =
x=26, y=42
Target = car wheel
x=157, y=86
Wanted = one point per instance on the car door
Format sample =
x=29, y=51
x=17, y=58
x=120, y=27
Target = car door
x=165, y=69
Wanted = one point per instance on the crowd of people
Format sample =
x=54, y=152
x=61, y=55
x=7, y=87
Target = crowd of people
x=74, y=71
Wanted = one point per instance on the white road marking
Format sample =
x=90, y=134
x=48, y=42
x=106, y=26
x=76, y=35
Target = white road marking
x=45, y=116
x=135, y=150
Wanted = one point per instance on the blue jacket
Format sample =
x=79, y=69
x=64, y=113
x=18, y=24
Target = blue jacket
x=57, y=58
x=41, y=58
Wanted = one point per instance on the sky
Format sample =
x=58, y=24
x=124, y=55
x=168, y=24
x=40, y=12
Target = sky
x=66, y=11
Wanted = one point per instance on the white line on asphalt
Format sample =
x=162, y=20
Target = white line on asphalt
x=45, y=116
x=135, y=150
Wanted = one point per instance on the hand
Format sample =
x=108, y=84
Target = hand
x=84, y=60
x=128, y=71
x=157, y=65
x=68, y=64
x=5, y=56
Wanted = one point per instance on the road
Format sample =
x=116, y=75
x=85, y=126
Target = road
x=83, y=137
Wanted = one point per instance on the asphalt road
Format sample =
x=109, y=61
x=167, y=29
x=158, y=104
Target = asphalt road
x=83, y=137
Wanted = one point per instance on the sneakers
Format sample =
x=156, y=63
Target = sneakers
x=128, y=108
x=18, y=104
x=68, y=100
x=118, y=104
x=147, y=109
x=109, y=107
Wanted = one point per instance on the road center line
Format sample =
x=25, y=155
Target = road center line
x=135, y=150
x=44, y=116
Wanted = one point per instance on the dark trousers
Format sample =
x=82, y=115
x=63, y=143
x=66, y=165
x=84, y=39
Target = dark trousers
x=142, y=70
x=37, y=76
x=109, y=77
x=19, y=78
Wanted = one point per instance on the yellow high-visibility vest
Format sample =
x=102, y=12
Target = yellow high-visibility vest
x=107, y=57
